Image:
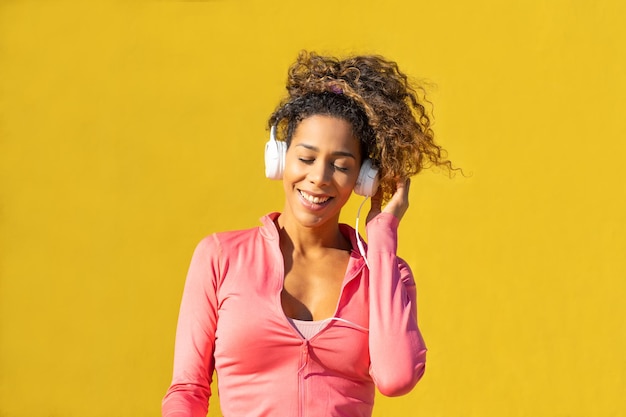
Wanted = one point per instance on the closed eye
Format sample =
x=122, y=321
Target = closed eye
x=309, y=161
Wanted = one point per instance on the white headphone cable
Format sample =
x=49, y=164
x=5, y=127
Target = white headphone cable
x=358, y=239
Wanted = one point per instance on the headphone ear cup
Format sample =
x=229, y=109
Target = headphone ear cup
x=275, y=159
x=367, y=183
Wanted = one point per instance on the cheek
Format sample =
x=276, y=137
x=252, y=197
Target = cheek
x=291, y=168
x=346, y=182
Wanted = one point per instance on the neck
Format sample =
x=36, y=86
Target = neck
x=310, y=239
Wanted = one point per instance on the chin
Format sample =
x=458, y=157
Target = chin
x=313, y=219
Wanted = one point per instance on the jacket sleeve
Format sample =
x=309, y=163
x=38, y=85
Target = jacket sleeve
x=189, y=393
x=397, y=349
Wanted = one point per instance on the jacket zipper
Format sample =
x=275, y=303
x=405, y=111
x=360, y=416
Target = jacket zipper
x=304, y=360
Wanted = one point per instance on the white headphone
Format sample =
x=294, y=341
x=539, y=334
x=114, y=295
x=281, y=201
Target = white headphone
x=366, y=183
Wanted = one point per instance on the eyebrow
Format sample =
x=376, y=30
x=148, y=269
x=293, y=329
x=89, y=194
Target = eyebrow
x=336, y=153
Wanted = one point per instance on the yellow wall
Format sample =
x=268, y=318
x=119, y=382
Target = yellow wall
x=129, y=130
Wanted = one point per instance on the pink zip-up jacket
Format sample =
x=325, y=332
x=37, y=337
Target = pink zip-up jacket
x=231, y=320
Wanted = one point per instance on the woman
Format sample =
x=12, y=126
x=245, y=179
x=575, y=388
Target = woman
x=293, y=317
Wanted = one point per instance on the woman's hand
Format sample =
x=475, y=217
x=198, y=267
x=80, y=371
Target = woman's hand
x=398, y=205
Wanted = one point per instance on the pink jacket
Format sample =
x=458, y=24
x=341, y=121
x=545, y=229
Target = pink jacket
x=231, y=321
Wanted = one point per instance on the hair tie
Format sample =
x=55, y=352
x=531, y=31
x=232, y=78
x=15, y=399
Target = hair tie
x=336, y=89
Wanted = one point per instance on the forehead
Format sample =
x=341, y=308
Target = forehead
x=326, y=133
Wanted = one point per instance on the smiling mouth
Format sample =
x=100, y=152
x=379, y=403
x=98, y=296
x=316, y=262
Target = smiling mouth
x=313, y=199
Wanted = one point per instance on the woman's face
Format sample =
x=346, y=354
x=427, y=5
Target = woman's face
x=321, y=168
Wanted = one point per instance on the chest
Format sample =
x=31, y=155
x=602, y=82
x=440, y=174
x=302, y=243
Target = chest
x=311, y=288
x=253, y=334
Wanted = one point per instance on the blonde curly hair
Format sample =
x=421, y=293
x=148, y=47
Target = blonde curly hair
x=376, y=98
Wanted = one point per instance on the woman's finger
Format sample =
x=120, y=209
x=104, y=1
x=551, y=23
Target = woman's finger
x=399, y=202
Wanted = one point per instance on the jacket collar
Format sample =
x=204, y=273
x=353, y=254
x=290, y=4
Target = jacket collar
x=270, y=232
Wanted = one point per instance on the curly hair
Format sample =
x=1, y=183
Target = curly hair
x=376, y=98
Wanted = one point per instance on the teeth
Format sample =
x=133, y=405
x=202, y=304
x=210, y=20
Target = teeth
x=312, y=199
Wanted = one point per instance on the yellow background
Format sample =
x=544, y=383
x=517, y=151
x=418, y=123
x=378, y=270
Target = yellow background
x=129, y=130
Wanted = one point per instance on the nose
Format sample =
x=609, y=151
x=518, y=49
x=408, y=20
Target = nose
x=320, y=173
